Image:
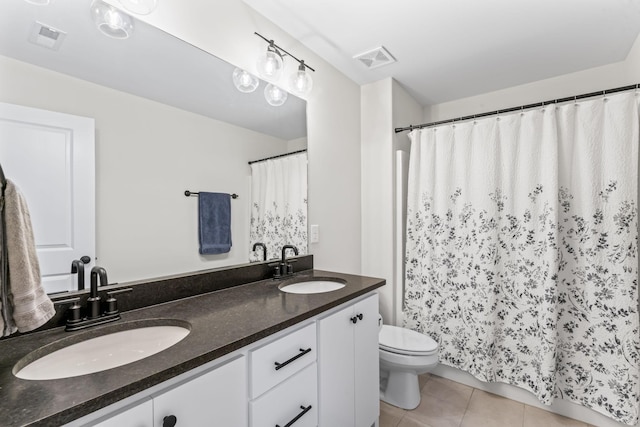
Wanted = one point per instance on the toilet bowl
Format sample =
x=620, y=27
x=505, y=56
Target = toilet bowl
x=404, y=354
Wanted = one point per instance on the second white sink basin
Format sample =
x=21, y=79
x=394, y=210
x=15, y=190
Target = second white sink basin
x=315, y=286
x=103, y=352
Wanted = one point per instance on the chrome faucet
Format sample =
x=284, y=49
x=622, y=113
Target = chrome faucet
x=93, y=302
x=77, y=266
x=264, y=249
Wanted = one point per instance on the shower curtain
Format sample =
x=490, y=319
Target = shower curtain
x=521, y=256
x=279, y=204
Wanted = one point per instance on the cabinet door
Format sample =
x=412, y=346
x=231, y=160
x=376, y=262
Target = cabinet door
x=367, y=359
x=336, y=369
x=216, y=398
x=140, y=415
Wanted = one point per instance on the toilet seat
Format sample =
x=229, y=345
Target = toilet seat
x=405, y=341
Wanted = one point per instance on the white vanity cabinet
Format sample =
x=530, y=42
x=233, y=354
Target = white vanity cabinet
x=140, y=415
x=284, y=381
x=215, y=398
x=349, y=368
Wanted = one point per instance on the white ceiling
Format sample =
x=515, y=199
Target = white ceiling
x=451, y=49
x=151, y=64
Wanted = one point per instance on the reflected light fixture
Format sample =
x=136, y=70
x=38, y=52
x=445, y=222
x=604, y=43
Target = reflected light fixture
x=111, y=21
x=244, y=82
x=270, y=67
x=40, y=2
x=140, y=7
x=274, y=95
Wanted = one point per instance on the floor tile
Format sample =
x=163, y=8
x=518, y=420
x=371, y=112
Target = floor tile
x=423, y=379
x=408, y=422
x=489, y=410
x=436, y=413
x=390, y=415
x=451, y=391
x=536, y=417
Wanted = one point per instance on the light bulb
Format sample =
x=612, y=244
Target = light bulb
x=270, y=64
x=140, y=7
x=244, y=81
x=300, y=82
x=111, y=21
x=274, y=95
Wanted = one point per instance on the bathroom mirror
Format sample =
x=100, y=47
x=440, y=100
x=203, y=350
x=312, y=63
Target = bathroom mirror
x=167, y=119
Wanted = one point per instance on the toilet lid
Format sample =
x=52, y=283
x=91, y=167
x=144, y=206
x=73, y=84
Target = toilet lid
x=406, y=341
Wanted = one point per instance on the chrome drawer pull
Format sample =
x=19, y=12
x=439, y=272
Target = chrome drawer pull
x=304, y=411
x=283, y=364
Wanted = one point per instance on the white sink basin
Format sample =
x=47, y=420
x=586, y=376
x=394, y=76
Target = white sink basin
x=103, y=352
x=312, y=286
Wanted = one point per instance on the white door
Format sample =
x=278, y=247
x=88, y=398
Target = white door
x=50, y=157
x=367, y=368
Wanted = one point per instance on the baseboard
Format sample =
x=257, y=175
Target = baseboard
x=559, y=406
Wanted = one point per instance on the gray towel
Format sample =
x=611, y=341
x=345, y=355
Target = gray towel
x=214, y=223
x=29, y=302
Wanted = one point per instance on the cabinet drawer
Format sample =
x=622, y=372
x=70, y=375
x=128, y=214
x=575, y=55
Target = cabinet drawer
x=282, y=358
x=297, y=397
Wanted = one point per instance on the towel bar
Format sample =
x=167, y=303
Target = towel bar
x=195, y=193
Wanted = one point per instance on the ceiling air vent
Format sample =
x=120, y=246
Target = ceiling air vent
x=46, y=36
x=375, y=58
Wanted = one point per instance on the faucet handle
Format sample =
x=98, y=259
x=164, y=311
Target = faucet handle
x=111, y=302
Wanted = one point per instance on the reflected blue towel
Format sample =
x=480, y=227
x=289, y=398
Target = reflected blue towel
x=214, y=222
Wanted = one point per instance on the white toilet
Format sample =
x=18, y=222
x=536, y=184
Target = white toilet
x=404, y=354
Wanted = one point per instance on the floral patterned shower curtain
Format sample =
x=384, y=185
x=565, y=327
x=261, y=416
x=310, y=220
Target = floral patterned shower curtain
x=279, y=205
x=521, y=256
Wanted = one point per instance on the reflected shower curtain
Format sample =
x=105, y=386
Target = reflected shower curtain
x=521, y=256
x=279, y=204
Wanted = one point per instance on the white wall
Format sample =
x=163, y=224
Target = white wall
x=610, y=76
x=384, y=105
x=225, y=28
x=147, y=155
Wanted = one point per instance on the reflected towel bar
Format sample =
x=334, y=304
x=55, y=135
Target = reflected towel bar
x=195, y=193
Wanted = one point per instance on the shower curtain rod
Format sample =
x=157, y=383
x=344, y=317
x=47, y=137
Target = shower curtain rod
x=522, y=107
x=278, y=156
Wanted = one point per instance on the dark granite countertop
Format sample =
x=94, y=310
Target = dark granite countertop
x=221, y=322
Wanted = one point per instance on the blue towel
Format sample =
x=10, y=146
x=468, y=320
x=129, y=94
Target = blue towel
x=214, y=223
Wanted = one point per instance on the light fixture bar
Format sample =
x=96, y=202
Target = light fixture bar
x=271, y=43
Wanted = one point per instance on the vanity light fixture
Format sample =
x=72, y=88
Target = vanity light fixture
x=270, y=67
x=244, y=82
x=140, y=7
x=111, y=21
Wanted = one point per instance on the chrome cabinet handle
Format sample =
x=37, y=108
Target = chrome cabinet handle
x=304, y=411
x=297, y=356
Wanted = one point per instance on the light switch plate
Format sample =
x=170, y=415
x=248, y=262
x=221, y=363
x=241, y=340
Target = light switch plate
x=315, y=233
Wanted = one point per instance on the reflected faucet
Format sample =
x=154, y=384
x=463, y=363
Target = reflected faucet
x=264, y=249
x=285, y=267
x=77, y=266
x=93, y=302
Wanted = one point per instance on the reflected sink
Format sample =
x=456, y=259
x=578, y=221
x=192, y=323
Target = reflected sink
x=104, y=352
x=315, y=285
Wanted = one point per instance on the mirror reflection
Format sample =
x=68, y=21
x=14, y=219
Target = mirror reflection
x=166, y=118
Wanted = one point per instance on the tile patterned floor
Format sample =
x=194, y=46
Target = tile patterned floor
x=446, y=403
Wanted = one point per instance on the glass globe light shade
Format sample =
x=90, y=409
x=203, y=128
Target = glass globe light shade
x=300, y=82
x=140, y=7
x=244, y=82
x=111, y=21
x=274, y=95
x=40, y=2
x=270, y=64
